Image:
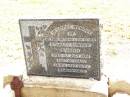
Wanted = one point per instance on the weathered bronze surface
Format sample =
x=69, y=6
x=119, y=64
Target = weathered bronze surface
x=62, y=47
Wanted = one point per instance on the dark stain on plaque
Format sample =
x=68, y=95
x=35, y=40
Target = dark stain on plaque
x=62, y=47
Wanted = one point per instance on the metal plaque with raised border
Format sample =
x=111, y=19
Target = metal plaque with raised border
x=62, y=47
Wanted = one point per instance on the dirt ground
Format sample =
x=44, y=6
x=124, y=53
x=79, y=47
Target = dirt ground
x=114, y=26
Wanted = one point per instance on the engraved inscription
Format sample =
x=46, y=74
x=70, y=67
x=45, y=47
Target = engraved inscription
x=66, y=48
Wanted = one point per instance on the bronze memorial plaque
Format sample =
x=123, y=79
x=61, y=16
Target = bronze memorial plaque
x=62, y=47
